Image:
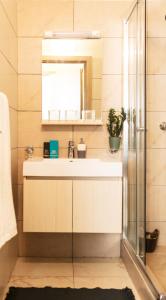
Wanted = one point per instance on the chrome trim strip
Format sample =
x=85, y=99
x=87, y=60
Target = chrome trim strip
x=138, y=273
x=131, y=11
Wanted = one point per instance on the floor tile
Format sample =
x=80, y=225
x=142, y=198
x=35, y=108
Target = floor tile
x=102, y=282
x=156, y=262
x=24, y=281
x=87, y=272
x=43, y=267
x=99, y=268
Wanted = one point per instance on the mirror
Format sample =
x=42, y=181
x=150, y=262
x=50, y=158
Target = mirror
x=71, y=79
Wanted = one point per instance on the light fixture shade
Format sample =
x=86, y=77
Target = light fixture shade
x=72, y=35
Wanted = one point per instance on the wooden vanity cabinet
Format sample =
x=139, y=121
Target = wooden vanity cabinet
x=78, y=205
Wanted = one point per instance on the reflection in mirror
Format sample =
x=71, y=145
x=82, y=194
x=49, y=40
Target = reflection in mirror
x=66, y=84
x=71, y=78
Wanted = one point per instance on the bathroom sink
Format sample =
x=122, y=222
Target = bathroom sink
x=71, y=168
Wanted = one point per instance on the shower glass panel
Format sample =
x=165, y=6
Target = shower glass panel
x=132, y=95
x=140, y=128
x=134, y=133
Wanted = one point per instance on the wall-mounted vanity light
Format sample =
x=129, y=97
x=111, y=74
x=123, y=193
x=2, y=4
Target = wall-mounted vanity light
x=72, y=35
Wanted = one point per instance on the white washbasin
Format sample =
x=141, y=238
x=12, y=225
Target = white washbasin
x=71, y=168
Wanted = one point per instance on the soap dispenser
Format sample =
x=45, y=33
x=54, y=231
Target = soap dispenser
x=81, y=149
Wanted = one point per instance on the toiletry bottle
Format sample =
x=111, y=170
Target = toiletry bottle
x=46, y=150
x=54, y=149
x=81, y=149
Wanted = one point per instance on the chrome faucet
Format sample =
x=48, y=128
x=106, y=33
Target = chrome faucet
x=71, y=149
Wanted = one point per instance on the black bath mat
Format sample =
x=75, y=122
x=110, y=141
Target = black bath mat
x=49, y=293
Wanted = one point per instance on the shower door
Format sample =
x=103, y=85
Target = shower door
x=134, y=130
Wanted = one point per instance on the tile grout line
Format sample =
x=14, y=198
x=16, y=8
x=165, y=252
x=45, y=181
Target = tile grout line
x=9, y=62
x=8, y=18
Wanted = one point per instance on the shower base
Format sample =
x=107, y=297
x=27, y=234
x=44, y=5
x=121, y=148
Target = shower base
x=156, y=262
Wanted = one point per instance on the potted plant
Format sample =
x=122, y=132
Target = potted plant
x=115, y=127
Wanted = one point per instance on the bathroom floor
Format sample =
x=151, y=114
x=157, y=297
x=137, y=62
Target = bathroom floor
x=90, y=273
x=156, y=261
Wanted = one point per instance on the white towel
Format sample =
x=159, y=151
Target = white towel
x=8, y=227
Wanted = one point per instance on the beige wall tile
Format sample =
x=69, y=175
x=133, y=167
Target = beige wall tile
x=156, y=91
x=156, y=168
x=30, y=92
x=107, y=16
x=96, y=89
x=112, y=56
x=156, y=203
x=94, y=136
x=156, y=138
x=96, y=245
x=47, y=14
x=156, y=56
x=132, y=64
x=96, y=105
x=8, y=81
x=29, y=55
x=104, y=154
x=11, y=10
x=8, y=40
x=111, y=92
x=13, y=127
x=156, y=18
x=44, y=245
x=31, y=132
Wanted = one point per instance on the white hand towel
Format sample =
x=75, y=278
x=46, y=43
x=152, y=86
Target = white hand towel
x=8, y=228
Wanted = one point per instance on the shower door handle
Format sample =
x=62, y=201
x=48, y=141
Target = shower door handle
x=140, y=129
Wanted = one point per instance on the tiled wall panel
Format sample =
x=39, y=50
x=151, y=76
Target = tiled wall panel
x=34, y=18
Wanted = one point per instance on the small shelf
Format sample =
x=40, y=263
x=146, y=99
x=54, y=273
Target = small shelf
x=73, y=122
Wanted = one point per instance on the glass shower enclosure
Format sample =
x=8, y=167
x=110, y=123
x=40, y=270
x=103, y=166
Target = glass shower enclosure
x=134, y=177
x=134, y=187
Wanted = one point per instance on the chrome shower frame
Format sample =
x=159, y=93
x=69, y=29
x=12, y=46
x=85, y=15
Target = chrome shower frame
x=135, y=265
